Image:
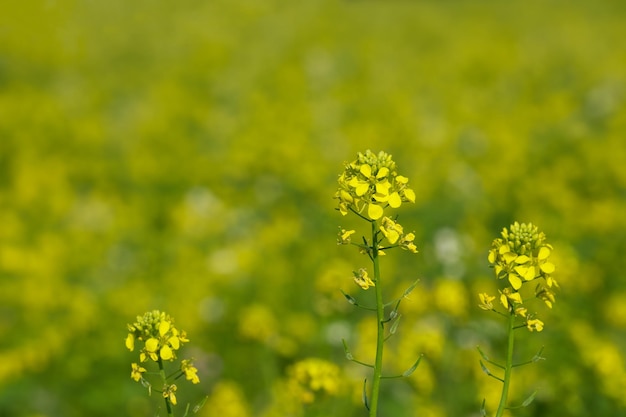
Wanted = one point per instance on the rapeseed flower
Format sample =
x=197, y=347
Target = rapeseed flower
x=161, y=339
x=362, y=279
x=371, y=183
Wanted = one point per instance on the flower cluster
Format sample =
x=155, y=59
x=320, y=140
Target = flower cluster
x=520, y=256
x=160, y=338
x=362, y=279
x=372, y=183
x=394, y=233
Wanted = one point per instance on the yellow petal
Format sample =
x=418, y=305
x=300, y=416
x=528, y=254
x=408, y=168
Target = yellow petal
x=509, y=257
x=174, y=342
x=402, y=179
x=383, y=172
x=394, y=200
x=166, y=353
x=130, y=342
x=544, y=252
x=362, y=188
x=152, y=344
x=345, y=196
x=547, y=267
x=515, y=281
x=492, y=256
x=366, y=170
x=409, y=195
x=164, y=326
x=374, y=211
x=522, y=259
x=383, y=187
x=530, y=274
x=516, y=297
x=504, y=300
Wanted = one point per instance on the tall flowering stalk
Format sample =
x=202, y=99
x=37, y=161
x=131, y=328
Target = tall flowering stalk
x=368, y=187
x=520, y=260
x=160, y=340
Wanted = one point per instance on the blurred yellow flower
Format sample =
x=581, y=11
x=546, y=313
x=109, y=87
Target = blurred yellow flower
x=486, y=301
x=191, y=372
x=170, y=392
x=534, y=324
x=136, y=371
x=313, y=375
x=343, y=237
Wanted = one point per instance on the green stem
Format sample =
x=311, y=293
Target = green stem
x=380, y=336
x=508, y=367
x=168, y=405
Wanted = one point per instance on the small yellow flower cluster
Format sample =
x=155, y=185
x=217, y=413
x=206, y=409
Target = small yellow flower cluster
x=362, y=279
x=372, y=183
x=161, y=339
x=394, y=233
x=521, y=256
x=343, y=237
x=311, y=376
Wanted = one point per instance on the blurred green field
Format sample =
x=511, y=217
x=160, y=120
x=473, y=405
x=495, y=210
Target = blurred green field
x=183, y=156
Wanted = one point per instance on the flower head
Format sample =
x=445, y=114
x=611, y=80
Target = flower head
x=136, y=372
x=486, y=301
x=371, y=183
x=169, y=391
x=343, y=237
x=522, y=255
x=190, y=371
x=362, y=279
x=534, y=324
x=161, y=339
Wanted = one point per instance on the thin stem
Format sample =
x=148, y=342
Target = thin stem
x=168, y=406
x=380, y=335
x=508, y=366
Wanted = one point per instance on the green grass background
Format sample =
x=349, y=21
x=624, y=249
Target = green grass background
x=183, y=156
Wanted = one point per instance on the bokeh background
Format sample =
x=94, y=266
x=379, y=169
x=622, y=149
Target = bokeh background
x=183, y=156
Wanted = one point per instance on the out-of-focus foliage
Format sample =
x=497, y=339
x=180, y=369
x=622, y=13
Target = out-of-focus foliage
x=183, y=156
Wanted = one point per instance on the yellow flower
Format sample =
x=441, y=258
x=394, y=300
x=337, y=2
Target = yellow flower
x=190, y=371
x=136, y=372
x=406, y=242
x=521, y=255
x=372, y=183
x=362, y=279
x=170, y=392
x=159, y=335
x=344, y=236
x=534, y=324
x=391, y=230
x=486, y=301
x=507, y=295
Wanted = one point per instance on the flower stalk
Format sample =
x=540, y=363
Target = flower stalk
x=380, y=317
x=159, y=341
x=367, y=187
x=520, y=258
